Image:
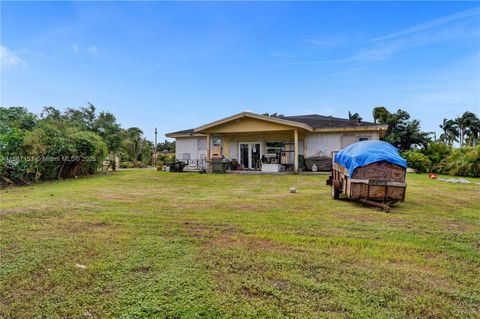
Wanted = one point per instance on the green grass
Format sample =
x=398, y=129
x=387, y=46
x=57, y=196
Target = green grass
x=167, y=245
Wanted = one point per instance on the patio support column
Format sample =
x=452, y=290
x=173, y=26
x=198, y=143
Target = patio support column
x=208, y=153
x=295, y=153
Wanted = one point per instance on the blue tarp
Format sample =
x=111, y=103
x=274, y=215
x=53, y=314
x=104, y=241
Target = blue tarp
x=368, y=152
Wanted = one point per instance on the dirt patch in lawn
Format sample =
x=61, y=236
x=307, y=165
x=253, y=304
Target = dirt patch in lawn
x=231, y=240
x=124, y=198
x=28, y=210
x=208, y=231
x=75, y=227
x=142, y=269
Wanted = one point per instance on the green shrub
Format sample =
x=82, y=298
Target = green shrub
x=90, y=151
x=464, y=161
x=166, y=158
x=436, y=152
x=64, y=144
x=418, y=161
x=14, y=164
x=127, y=165
x=48, y=151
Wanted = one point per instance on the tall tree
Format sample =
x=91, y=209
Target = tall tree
x=17, y=117
x=107, y=127
x=403, y=132
x=464, y=122
x=134, y=143
x=84, y=117
x=473, y=133
x=450, y=132
x=51, y=113
x=110, y=131
x=166, y=146
x=380, y=114
x=76, y=117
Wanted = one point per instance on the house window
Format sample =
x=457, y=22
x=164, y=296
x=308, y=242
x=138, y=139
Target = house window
x=217, y=141
x=273, y=147
x=202, y=144
x=363, y=138
x=273, y=152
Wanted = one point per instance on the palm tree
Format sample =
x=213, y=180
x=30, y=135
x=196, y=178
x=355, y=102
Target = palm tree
x=473, y=132
x=450, y=132
x=354, y=116
x=380, y=114
x=464, y=122
x=134, y=142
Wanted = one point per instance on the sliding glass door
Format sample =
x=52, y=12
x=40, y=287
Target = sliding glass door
x=244, y=157
x=250, y=154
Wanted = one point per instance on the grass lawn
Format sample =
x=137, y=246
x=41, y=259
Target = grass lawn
x=170, y=245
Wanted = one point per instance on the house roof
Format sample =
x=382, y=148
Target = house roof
x=311, y=122
x=182, y=132
x=320, y=121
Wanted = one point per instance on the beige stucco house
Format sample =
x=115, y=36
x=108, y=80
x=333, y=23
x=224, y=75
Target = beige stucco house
x=257, y=142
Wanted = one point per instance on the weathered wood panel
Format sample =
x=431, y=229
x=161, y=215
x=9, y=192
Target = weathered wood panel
x=380, y=171
x=358, y=187
x=340, y=168
x=360, y=190
x=396, y=193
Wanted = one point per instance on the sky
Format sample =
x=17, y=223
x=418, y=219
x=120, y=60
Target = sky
x=178, y=65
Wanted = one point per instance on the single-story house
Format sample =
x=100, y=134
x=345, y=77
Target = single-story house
x=254, y=140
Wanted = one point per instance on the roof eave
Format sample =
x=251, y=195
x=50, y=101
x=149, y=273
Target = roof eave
x=352, y=128
x=256, y=116
x=175, y=135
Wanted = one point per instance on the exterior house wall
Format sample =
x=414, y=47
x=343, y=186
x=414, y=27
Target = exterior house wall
x=231, y=141
x=232, y=150
x=248, y=129
x=323, y=144
x=191, y=149
x=316, y=144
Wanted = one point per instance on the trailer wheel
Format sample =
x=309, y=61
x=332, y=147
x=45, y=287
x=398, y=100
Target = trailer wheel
x=335, y=193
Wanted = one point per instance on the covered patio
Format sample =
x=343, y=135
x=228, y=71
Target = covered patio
x=253, y=142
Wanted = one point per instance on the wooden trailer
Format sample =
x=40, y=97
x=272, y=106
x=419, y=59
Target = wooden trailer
x=379, y=184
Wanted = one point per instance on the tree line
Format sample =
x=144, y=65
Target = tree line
x=67, y=144
x=426, y=153
x=464, y=129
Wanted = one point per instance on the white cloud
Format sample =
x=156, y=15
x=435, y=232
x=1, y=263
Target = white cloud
x=325, y=42
x=375, y=54
x=456, y=84
x=306, y=62
x=93, y=50
x=384, y=47
x=75, y=48
x=430, y=24
x=8, y=59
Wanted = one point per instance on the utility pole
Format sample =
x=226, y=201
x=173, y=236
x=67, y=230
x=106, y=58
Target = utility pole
x=155, y=149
